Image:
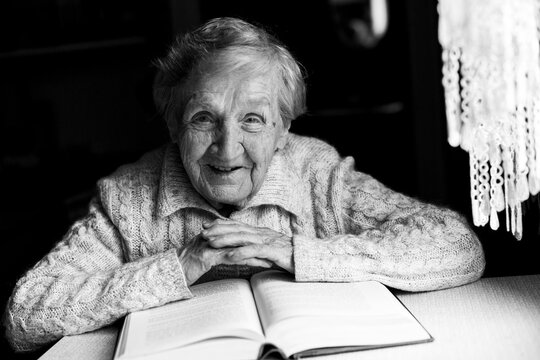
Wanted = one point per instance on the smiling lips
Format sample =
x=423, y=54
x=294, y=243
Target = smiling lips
x=225, y=175
x=223, y=169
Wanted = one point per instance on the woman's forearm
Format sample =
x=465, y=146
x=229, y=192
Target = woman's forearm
x=430, y=249
x=49, y=303
x=85, y=282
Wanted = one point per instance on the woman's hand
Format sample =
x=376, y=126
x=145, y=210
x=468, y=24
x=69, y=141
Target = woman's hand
x=242, y=243
x=197, y=257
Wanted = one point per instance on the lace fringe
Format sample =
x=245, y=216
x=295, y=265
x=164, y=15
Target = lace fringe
x=491, y=79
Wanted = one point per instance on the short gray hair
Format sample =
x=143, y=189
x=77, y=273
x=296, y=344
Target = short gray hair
x=228, y=35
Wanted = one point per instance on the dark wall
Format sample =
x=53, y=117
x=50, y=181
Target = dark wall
x=75, y=103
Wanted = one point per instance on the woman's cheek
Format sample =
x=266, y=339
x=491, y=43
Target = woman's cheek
x=260, y=147
x=193, y=144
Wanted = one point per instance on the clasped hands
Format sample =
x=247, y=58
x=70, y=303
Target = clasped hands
x=235, y=243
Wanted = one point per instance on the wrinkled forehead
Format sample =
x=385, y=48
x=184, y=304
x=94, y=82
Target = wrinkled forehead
x=244, y=76
x=234, y=88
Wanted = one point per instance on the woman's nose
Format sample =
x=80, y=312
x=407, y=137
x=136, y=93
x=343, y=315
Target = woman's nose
x=228, y=144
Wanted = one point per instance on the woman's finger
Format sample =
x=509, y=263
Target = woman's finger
x=221, y=256
x=208, y=224
x=219, y=229
x=223, y=229
x=255, y=262
x=232, y=240
x=248, y=252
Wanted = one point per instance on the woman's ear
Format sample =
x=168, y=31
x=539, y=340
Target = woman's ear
x=172, y=125
x=282, y=141
x=172, y=111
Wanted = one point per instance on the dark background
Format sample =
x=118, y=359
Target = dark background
x=75, y=103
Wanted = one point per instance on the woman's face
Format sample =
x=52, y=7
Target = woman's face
x=228, y=134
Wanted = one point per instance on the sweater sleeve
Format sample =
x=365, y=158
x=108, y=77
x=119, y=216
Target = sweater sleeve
x=391, y=238
x=85, y=283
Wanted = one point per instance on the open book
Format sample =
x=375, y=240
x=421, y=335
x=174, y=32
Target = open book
x=240, y=319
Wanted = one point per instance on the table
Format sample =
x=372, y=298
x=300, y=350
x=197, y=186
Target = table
x=493, y=318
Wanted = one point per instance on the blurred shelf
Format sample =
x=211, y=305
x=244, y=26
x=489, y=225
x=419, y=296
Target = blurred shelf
x=75, y=47
x=384, y=109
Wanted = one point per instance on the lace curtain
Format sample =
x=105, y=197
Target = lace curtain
x=491, y=78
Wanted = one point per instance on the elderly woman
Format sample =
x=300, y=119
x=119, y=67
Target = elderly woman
x=232, y=194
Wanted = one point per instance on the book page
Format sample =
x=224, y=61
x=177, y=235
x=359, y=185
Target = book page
x=299, y=316
x=279, y=297
x=223, y=308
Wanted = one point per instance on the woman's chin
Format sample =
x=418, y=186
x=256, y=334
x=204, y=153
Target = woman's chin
x=227, y=195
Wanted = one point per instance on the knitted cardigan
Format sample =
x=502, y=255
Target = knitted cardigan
x=346, y=226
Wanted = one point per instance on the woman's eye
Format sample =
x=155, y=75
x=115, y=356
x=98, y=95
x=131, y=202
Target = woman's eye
x=253, y=121
x=202, y=119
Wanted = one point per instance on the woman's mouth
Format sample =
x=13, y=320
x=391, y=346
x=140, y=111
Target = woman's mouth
x=223, y=169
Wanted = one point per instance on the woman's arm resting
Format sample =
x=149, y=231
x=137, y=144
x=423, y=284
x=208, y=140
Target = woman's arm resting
x=84, y=283
x=391, y=238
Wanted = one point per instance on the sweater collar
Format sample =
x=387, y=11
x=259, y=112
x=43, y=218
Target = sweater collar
x=280, y=188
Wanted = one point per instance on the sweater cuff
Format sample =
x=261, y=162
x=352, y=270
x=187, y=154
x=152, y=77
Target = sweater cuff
x=169, y=281
x=311, y=262
x=314, y=260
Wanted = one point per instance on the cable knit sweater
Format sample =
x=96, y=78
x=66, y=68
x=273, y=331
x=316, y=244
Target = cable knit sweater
x=345, y=226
